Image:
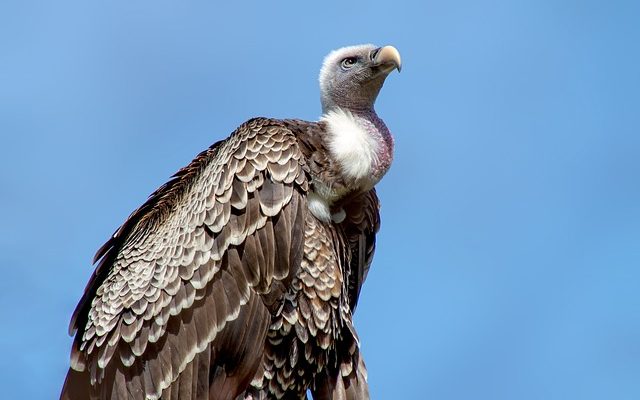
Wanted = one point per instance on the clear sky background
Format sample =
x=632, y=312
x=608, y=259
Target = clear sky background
x=508, y=264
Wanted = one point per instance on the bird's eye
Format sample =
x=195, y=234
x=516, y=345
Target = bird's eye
x=349, y=62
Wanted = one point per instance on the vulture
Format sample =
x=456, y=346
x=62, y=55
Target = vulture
x=239, y=277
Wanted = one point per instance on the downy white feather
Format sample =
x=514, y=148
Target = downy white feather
x=350, y=144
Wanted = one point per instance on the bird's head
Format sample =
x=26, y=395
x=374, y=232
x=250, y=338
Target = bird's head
x=351, y=77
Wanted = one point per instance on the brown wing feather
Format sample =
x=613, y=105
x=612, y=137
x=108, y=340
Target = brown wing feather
x=361, y=225
x=176, y=305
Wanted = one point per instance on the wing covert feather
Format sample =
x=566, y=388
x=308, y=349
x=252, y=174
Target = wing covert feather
x=194, y=259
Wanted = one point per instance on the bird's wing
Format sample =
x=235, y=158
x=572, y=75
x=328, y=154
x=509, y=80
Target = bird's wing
x=180, y=302
x=361, y=225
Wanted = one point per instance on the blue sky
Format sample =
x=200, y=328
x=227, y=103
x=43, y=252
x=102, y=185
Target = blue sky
x=508, y=264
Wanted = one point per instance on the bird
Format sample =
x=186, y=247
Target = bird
x=238, y=278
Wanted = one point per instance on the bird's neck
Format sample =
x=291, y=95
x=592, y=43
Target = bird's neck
x=348, y=152
x=376, y=128
x=360, y=143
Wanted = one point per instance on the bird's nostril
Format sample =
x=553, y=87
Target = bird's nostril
x=375, y=53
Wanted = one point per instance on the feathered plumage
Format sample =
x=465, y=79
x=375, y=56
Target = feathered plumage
x=237, y=279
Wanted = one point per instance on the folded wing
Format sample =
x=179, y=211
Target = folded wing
x=181, y=300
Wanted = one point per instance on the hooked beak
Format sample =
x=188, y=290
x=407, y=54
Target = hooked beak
x=387, y=58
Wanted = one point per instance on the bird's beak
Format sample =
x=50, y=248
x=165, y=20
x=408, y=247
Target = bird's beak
x=388, y=58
